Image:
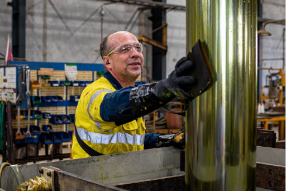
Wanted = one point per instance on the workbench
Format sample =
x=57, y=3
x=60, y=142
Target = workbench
x=267, y=117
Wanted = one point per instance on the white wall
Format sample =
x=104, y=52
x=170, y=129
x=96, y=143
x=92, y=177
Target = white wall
x=74, y=38
x=176, y=35
x=6, y=27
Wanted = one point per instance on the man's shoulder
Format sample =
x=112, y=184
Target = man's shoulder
x=98, y=85
x=101, y=83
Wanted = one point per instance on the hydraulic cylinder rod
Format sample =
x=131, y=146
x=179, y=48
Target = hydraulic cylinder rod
x=221, y=123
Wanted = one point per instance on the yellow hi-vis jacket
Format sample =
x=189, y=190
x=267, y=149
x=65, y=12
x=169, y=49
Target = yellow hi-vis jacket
x=102, y=136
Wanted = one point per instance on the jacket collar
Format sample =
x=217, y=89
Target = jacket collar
x=112, y=80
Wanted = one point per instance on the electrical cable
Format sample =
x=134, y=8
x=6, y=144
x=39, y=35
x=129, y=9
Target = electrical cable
x=2, y=110
x=10, y=133
x=1, y=169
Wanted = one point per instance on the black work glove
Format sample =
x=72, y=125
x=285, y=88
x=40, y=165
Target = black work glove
x=180, y=80
x=180, y=83
x=148, y=97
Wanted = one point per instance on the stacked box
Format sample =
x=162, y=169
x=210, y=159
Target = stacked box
x=43, y=122
x=84, y=76
x=58, y=76
x=23, y=123
x=53, y=91
x=74, y=91
x=70, y=127
x=53, y=110
x=96, y=77
x=57, y=128
x=71, y=110
x=33, y=75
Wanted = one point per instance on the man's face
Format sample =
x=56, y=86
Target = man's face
x=125, y=65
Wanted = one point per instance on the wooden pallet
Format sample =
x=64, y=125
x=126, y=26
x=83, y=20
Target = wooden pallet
x=67, y=145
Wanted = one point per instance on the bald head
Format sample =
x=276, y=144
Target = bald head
x=107, y=44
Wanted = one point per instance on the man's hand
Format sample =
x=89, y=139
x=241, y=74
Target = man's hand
x=180, y=83
x=180, y=79
x=148, y=97
x=176, y=140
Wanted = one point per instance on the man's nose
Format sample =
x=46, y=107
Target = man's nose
x=134, y=52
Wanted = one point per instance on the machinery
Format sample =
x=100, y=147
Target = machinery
x=15, y=89
x=221, y=152
x=14, y=86
x=152, y=169
x=275, y=83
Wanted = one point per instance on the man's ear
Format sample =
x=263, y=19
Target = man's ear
x=106, y=62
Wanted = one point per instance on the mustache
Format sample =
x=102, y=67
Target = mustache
x=134, y=61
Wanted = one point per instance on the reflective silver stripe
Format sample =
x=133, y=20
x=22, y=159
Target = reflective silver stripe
x=89, y=104
x=93, y=98
x=99, y=126
x=118, y=137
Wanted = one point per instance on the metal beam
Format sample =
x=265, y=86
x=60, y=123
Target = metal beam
x=150, y=4
x=143, y=38
x=155, y=4
x=18, y=28
x=176, y=182
x=270, y=155
x=66, y=181
x=263, y=20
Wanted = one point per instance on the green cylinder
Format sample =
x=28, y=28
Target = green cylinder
x=221, y=123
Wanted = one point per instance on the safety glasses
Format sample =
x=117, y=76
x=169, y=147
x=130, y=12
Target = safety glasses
x=126, y=48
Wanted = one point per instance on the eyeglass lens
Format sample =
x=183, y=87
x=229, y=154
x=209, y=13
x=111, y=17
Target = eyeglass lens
x=127, y=47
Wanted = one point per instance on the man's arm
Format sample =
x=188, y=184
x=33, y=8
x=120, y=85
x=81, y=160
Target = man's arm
x=116, y=106
x=129, y=103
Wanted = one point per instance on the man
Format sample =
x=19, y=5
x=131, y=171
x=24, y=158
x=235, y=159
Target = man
x=108, y=117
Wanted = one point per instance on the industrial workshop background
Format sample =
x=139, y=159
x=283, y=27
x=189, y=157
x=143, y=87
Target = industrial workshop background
x=70, y=31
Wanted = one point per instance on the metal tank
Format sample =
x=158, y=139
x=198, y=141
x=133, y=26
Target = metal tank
x=221, y=123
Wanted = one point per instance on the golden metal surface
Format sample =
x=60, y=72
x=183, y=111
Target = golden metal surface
x=221, y=123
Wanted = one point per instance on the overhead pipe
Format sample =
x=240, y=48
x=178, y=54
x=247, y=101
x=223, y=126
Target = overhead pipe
x=221, y=123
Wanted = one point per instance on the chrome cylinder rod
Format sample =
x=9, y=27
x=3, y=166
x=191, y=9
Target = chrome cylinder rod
x=221, y=123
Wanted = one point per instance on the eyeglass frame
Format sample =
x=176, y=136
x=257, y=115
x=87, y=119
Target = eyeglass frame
x=111, y=52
